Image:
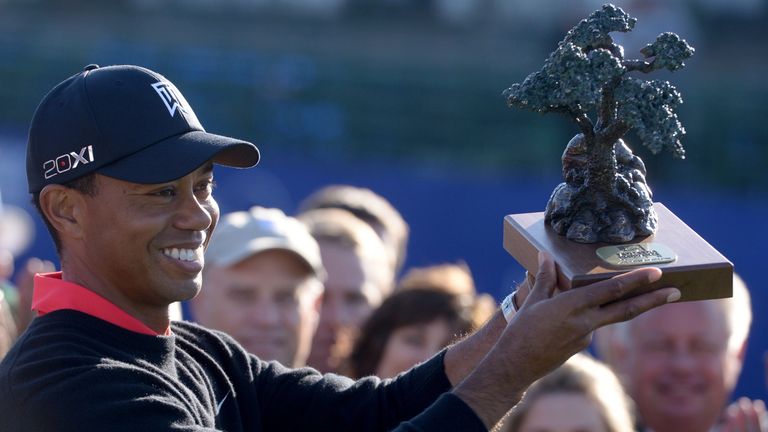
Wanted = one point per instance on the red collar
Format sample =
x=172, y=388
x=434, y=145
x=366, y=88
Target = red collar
x=52, y=294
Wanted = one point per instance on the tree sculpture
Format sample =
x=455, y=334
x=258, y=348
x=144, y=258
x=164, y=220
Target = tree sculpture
x=605, y=196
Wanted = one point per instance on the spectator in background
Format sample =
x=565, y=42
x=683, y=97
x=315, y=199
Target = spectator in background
x=17, y=230
x=359, y=278
x=680, y=363
x=263, y=282
x=16, y=233
x=371, y=208
x=582, y=395
x=453, y=278
x=431, y=307
x=8, y=331
x=21, y=289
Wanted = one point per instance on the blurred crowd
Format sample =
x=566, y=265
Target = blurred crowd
x=327, y=288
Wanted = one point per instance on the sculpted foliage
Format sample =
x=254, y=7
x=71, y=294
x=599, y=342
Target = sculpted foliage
x=605, y=197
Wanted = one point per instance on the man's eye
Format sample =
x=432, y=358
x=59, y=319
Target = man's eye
x=208, y=185
x=169, y=192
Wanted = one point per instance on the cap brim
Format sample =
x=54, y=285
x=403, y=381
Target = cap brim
x=178, y=156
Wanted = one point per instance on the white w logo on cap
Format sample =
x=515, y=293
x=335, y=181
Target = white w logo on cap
x=168, y=94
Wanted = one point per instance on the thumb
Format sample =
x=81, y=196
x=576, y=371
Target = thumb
x=546, y=279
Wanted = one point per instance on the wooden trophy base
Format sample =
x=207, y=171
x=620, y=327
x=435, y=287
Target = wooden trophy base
x=699, y=271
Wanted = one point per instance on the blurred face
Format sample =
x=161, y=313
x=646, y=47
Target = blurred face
x=6, y=264
x=563, y=412
x=352, y=291
x=7, y=326
x=413, y=344
x=269, y=303
x=386, y=236
x=142, y=244
x=678, y=367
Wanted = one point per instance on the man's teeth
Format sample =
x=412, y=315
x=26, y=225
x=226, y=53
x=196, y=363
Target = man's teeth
x=183, y=254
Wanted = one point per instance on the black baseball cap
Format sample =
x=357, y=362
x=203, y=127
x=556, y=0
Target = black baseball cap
x=126, y=122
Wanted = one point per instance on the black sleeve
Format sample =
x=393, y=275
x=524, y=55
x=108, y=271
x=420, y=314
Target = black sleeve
x=303, y=399
x=449, y=412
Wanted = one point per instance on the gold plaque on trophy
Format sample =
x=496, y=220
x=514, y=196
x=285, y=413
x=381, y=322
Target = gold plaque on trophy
x=636, y=254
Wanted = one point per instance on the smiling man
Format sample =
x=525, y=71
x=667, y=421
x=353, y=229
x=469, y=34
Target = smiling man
x=121, y=171
x=680, y=363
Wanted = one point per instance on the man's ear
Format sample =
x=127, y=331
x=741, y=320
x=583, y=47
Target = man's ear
x=64, y=208
x=318, y=305
x=742, y=353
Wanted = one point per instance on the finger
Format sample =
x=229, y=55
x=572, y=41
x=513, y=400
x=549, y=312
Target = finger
x=762, y=415
x=734, y=418
x=546, y=279
x=747, y=417
x=530, y=279
x=742, y=421
x=617, y=287
x=627, y=309
x=523, y=289
x=727, y=425
x=750, y=415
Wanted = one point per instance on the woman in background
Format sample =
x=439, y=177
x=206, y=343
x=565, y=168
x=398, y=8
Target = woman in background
x=430, y=308
x=582, y=395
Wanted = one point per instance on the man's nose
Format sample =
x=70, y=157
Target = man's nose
x=195, y=214
x=682, y=359
x=264, y=313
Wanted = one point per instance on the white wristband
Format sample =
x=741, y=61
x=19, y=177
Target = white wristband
x=508, y=306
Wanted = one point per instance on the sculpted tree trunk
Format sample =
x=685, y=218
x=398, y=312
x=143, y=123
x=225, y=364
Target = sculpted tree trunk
x=605, y=196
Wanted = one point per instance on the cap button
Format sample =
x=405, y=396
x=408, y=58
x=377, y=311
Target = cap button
x=91, y=66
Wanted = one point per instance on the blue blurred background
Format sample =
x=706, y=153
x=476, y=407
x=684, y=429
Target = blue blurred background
x=404, y=97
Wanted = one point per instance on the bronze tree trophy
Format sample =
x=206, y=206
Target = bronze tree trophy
x=601, y=221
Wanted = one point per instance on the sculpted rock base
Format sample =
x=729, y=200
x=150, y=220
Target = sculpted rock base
x=586, y=212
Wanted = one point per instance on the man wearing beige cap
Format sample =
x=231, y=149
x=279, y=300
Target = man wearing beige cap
x=263, y=284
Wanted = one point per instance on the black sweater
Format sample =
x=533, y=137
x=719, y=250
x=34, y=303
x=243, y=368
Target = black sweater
x=72, y=372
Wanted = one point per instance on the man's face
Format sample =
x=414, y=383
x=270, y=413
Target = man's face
x=678, y=367
x=353, y=289
x=143, y=244
x=269, y=303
